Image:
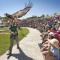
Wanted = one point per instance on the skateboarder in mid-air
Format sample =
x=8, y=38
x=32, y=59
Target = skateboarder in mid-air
x=13, y=25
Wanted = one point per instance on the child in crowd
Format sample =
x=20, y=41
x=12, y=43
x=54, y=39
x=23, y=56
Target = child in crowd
x=54, y=49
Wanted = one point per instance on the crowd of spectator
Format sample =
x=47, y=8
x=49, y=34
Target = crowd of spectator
x=50, y=29
x=50, y=45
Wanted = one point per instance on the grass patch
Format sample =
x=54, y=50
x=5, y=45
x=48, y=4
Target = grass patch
x=5, y=42
x=4, y=28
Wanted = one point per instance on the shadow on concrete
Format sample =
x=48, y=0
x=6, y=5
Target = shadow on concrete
x=21, y=56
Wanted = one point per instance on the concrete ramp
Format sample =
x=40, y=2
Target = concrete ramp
x=29, y=49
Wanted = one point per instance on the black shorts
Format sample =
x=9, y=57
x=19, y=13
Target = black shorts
x=13, y=36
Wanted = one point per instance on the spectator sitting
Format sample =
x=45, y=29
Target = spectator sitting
x=44, y=39
x=57, y=35
x=46, y=47
x=53, y=30
x=51, y=48
x=54, y=43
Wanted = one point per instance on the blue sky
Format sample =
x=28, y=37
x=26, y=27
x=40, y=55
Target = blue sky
x=39, y=7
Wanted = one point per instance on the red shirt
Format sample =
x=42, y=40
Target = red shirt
x=57, y=35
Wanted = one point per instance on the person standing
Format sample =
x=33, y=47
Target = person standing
x=13, y=35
